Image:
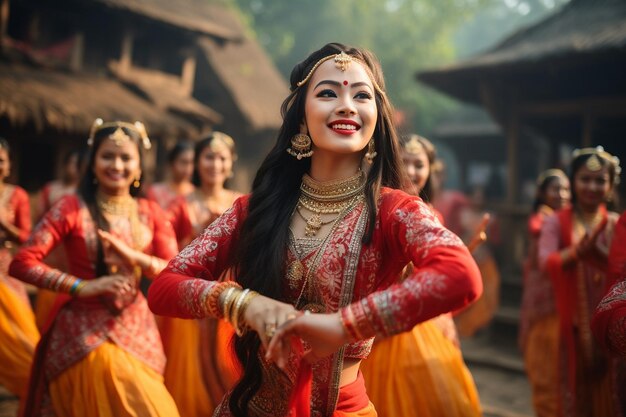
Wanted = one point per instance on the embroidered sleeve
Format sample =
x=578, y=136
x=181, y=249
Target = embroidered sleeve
x=609, y=321
x=22, y=214
x=549, y=240
x=445, y=276
x=27, y=264
x=185, y=286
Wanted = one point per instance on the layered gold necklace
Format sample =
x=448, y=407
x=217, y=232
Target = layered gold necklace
x=327, y=198
x=122, y=207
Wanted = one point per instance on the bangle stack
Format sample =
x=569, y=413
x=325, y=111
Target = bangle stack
x=213, y=298
x=348, y=323
x=77, y=286
x=234, y=305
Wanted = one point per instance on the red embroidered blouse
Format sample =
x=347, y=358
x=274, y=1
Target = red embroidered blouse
x=76, y=333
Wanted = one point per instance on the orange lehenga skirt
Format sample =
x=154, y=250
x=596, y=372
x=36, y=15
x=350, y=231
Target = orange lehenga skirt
x=201, y=366
x=420, y=373
x=110, y=382
x=18, y=336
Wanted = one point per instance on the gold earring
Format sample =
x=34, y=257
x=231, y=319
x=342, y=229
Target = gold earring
x=371, y=152
x=300, y=146
x=136, y=183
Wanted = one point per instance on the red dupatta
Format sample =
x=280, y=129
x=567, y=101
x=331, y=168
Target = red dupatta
x=564, y=280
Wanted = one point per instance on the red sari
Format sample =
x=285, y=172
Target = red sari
x=80, y=326
x=587, y=377
x=18, y=333
x=349, y=274
x=609, y=321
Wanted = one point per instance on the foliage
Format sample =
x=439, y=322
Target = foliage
x=406, y=35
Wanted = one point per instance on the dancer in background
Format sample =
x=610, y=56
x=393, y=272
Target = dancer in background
x=421, y=373
x=573, y=249
x=50, y=194
x=609, y=321
x=18, y=333
x=102, y=354
x=321, y=233
x=180, y=162
x=539, y=324
x=200, y=365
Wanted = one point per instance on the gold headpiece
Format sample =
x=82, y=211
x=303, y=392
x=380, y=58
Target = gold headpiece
x=119, y=136
x=226, y=140
x=413, y=145
x=550, y=173
x=594, y=164
x=342, y=62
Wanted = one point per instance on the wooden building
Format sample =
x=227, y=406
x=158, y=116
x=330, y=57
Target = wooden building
x=180, y=66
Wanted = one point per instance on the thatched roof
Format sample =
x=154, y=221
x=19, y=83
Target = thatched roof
x=69, y=102
x=193, y=15
x=581, y=30
x=247, y=73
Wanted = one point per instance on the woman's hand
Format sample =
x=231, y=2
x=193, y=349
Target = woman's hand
x=323, y=333
x=115, y=249
x=588, y=243
x=265, y=315
x=109, y=284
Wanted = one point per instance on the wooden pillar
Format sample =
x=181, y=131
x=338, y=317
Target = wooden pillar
x=76, y=59
x=587, y=134
x=126, y=56
x=512, y=139
x=4, y=22
x=189, y=74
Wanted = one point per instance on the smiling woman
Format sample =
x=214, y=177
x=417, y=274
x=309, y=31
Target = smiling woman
x=101, y=329
x=317, y=249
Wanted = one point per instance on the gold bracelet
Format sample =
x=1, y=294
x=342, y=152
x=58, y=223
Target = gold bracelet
x=80, y=286
x=234, y=314
x=241, y=330
x=229, y=300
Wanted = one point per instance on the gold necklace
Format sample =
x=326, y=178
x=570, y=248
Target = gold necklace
x=122, y=206
x=327, y=198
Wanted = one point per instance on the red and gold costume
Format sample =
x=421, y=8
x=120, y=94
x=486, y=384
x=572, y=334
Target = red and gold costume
x=539, y=325
x=50, y=194
x=200, y=366
x=162, y=194
x=18, y=333
x=115, y=338
x=421, y=373
x=360, y=280
x=586, y=376
x=609, y=321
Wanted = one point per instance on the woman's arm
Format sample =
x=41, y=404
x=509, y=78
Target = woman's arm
x=185, y=287
x=20, y=229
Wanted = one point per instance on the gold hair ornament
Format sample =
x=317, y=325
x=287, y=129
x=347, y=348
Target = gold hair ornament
x=119, y=136
x=226, y=140
x=414, y=146
x=553, y=172
x=342, y=62
x=593, y=163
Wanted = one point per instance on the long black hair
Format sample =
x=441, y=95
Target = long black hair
x=261, y=249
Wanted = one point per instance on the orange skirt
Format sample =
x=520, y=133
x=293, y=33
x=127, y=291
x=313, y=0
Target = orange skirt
x=43, y=306
x=420, y=373
x=541, y=357
x=200, y=368
x=110, y=382
x=19, y=336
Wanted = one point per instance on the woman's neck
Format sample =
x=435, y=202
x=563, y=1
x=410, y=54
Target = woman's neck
x=179, y=187
x=334, y=167
x=211, y=190
x=587, y=210
x=113, y=193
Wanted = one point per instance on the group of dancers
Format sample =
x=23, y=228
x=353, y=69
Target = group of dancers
x=329, y=290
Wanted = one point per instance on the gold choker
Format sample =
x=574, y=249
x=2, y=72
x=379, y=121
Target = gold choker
x=116, y=205
x=334, y=197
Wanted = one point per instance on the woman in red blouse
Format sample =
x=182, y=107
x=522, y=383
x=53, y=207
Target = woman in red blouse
x=101, y=354
x=323, y=233
x=573, y=249
x=199, y=368
x=18, y=333
x=609, y=321
x=180, y=160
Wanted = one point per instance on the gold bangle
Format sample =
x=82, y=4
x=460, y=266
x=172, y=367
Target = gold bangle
x=229, y=298
x=234, y=314
x=240, y=330
x=79, y=287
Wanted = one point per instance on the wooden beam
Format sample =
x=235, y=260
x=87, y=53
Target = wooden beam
x=488, y=99
x=78, y=51
x=4, y=22
x=126, y=56
x=594, y=106
x=587, y=134
x=512, y=131
x=188, y=75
